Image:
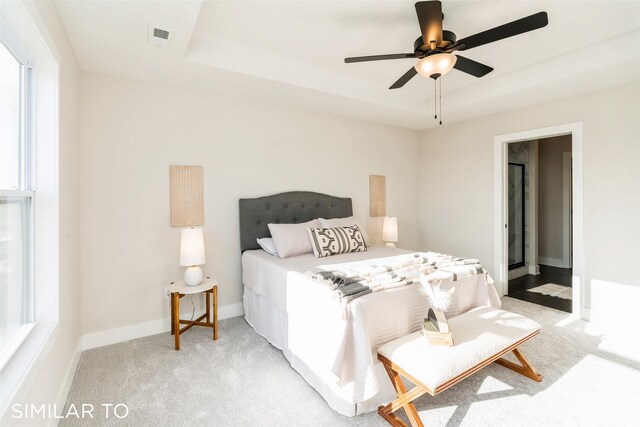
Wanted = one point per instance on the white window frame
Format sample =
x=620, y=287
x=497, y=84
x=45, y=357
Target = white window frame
x=21, y=373
x=25, y=186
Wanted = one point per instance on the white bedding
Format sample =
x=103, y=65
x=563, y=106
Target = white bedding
x=333, y=347
x=266, y=274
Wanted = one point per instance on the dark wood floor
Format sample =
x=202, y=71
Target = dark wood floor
x=518, y=288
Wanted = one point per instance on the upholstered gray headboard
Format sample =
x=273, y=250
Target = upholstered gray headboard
x=286, y=208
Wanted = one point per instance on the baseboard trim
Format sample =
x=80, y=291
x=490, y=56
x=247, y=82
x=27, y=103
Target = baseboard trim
x=144, y=329
x=553, y=262
x=68, y=380
x=518, y=272
x=534, y=269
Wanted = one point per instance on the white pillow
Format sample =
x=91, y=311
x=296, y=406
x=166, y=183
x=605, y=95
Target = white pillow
x=292, y=239
x=346, y=222
x=266, y=243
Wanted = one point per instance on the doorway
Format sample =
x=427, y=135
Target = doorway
x=525, y=260
x=539, y=221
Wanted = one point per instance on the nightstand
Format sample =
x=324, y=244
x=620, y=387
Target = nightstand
x=179, y=289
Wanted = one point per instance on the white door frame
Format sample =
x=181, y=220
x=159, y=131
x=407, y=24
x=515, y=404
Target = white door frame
x=500, y=206
x=566, y=209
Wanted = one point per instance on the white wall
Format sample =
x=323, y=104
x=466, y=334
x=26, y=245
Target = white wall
x=456, y=181
x=550, y=200
x=132, y=131
x=48, y=379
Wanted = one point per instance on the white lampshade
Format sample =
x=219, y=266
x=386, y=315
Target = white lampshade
x=192, y=247
x=390, y=229
x=440, y=63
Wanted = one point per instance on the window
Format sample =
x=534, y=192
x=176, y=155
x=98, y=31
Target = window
x=16, y=196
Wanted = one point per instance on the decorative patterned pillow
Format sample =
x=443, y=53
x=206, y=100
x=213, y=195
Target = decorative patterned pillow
x=336, y=240
x=346, y=222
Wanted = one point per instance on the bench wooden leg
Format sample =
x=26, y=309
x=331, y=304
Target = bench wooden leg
x=526, y=369
x=404, y=400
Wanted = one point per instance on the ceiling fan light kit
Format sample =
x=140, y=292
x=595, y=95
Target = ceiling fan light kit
x=434, y=47
x=440, y=64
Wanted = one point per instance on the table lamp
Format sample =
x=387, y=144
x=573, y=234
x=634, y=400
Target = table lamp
x=390, y=231
x=192, y=254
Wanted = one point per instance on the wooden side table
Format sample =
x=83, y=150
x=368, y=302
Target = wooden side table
x=180, y=289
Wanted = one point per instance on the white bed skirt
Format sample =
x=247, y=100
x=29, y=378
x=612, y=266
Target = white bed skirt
x=267, y=320
x=272, y=324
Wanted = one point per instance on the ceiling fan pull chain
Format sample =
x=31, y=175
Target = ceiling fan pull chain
x=440, y=101
x=435, y=100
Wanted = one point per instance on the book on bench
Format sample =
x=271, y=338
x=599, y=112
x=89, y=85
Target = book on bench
x=436, y=328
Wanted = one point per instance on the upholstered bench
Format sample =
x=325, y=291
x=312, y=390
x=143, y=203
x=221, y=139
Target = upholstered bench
x=481, y=336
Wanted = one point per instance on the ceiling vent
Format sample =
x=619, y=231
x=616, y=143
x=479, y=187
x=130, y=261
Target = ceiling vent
x=160, y=37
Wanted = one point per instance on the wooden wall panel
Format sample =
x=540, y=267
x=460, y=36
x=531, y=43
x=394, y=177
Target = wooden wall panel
x=187, y=197
x=377, y=195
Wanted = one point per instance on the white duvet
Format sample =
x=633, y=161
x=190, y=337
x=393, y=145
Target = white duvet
x=338, y=343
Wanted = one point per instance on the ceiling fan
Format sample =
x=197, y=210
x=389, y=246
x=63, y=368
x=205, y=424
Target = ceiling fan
x=435, y=46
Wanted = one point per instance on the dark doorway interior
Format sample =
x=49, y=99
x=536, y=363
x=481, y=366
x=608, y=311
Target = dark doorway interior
x=551, y=288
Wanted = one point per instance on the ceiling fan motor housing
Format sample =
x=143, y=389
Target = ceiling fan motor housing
x=421, y=49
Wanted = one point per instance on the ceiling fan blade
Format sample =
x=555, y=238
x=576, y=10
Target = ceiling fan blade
x=472, y=67
x=523, y=25
x=430, y=19
x=379, y=57
x=405, y=78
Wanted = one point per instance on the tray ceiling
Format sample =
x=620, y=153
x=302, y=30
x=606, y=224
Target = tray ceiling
x=291, y=53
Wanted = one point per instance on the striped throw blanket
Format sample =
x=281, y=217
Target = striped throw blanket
x=421, y=267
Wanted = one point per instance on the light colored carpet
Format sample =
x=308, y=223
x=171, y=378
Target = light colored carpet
x=241, y=380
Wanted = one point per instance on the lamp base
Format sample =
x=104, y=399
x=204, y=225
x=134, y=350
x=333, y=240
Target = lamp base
x=193, y=275
x=390, y=245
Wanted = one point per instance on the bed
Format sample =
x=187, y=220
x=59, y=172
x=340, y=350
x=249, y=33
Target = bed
x=331, y=345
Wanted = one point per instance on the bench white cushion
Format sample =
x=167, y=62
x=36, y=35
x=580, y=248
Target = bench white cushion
x=477, y=334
